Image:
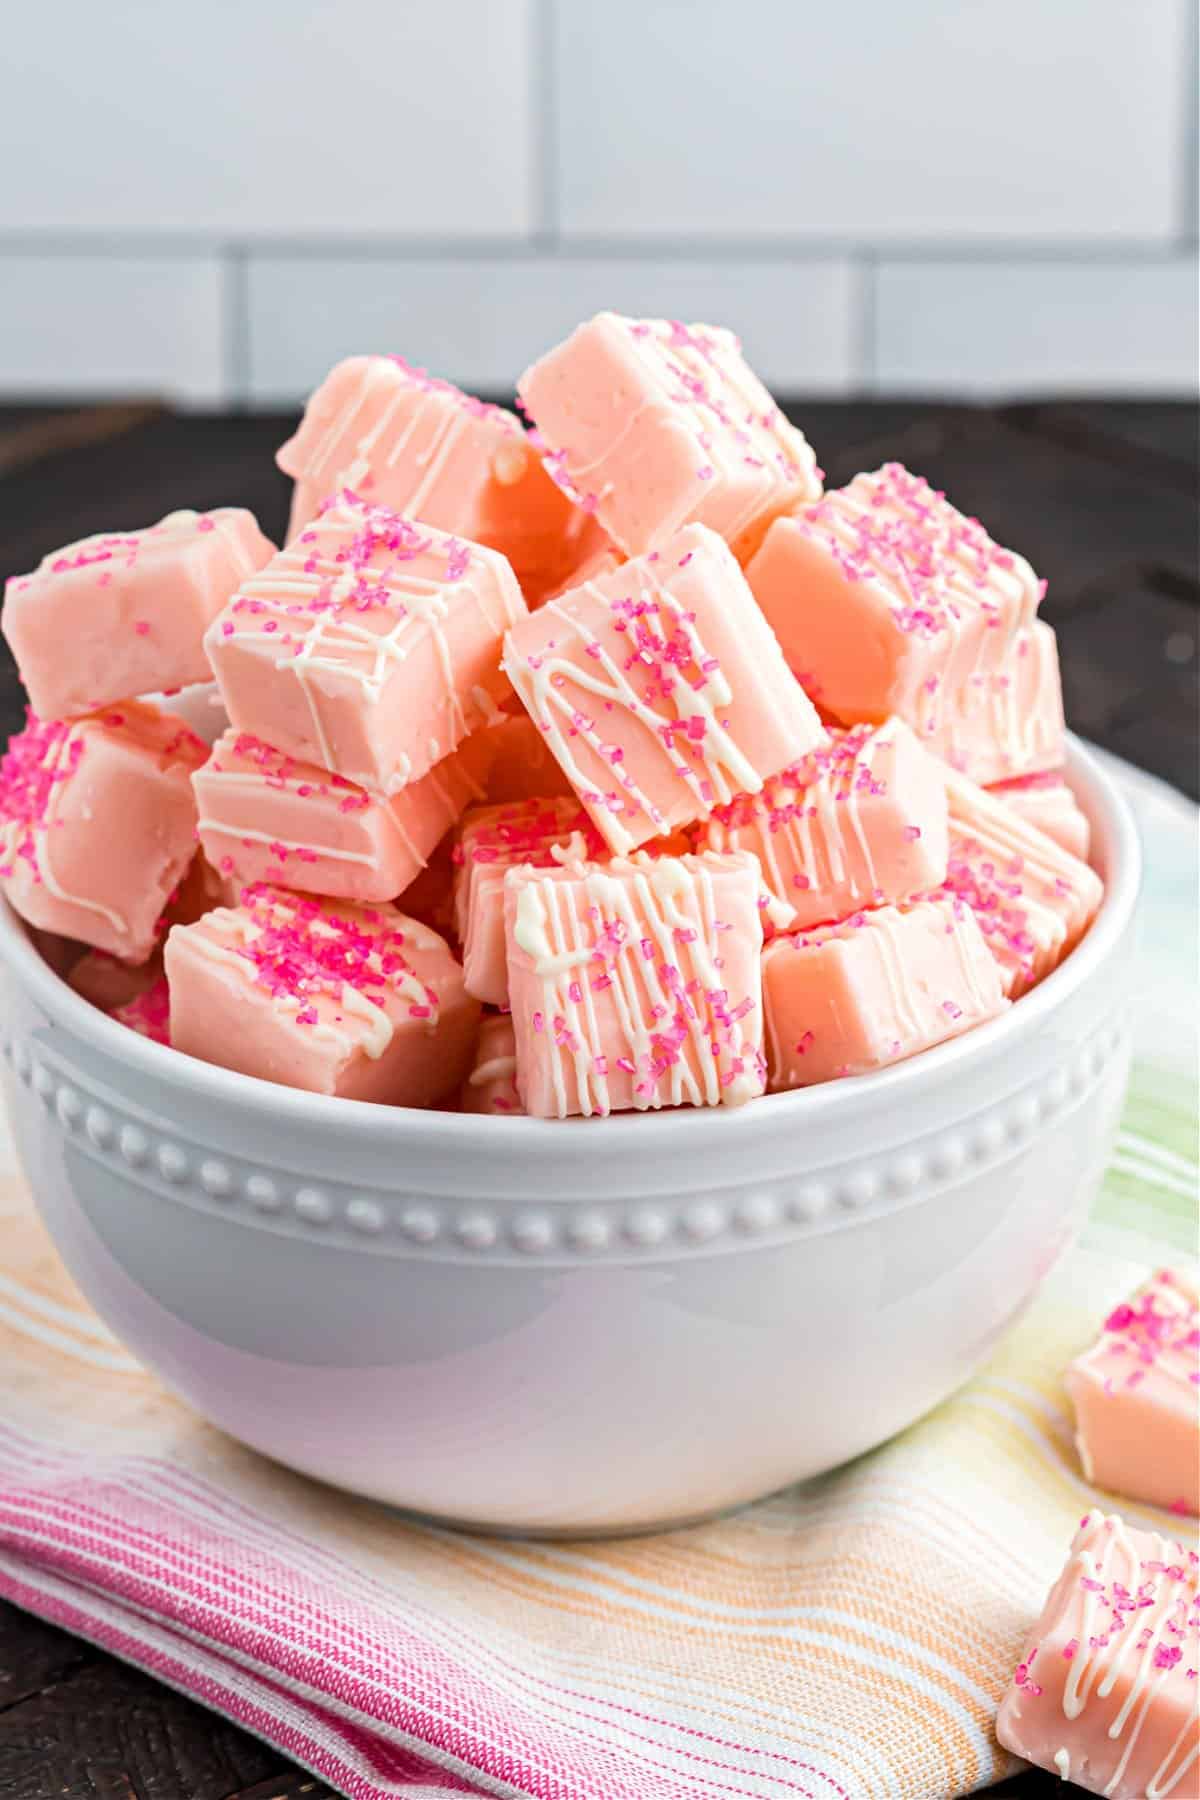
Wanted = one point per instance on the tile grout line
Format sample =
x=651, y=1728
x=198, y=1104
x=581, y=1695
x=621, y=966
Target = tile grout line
x=783, y=250
x=1189, y=149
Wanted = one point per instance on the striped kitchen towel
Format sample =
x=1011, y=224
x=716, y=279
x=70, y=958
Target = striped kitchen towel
x=846, y=1639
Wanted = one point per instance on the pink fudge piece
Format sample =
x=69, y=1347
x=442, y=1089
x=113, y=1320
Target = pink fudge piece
x=654, y=425
x=148, y=1013
x=491, y=1087
x=636, y=985
x=1105, y=1693
x=125, y=613
x=266, y=817
x=494, y=839
x=660, y=689
x=859, y=822
x=1136, y=1395
x=887, y=600
x=362, y=1002
x=848, y=998
x=1046, y=801
x=98, y=824
x=1033, y=900
x=522, y=767
x=369, y=646
x=419, y=446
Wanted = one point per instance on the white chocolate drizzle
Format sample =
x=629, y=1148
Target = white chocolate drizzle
x=633, y=921
x=272, y=610
x=724, y=769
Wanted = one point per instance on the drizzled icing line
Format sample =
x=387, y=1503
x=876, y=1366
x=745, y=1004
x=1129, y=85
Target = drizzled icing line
x=662, y=636
x=644, y=934
x=339, y=602
x=1131, y=1619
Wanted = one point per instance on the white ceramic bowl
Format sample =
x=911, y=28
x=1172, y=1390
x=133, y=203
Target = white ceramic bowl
x=594, y=1326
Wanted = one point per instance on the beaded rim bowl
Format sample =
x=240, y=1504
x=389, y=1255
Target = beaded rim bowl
x=584, y=1326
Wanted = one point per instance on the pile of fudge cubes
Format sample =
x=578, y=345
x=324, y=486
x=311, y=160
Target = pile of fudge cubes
x=608, y=764
x=601, y=763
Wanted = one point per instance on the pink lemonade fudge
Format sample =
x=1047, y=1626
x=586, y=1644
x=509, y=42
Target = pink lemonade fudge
x=1047, y=802
x=419, y=446
x=492, y=840
x=363, y=1002
x=369, y=646
x=148, y=1013
x=119, y=615
x=635, y=985
x=521, y=766
x=266, y=817
x=1136, y=1395
x=98, y=824
x=874, y=989
x=491, y=1087
x=1033, y=900
x=1105, y=1694
x=653, y=425
x=886, y=599
x=858, y=822
x=661, y=690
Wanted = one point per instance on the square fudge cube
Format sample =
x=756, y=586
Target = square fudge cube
x=1136, y=1395
x=369, y=646
x=491, y=1087
x=653, y=425
x=420, y=446
x=1105, y=1693
x=1046, y=801
x=266, y=817
x=362, y=1002
x=1032, y=899
x=848, y=998
x=492, y=840
x=123, y=614
x=660, y=689
x=859, y=822
x=636, y=985
x=98, y=824
x=887, y=600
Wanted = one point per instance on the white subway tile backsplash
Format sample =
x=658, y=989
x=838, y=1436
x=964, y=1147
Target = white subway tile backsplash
x=1036, y=327
x=1035, y=120
x=480, y=322
x=94, y=325
x=269, y=118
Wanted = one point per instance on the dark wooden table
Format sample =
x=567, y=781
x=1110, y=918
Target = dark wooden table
x=1101, y=496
